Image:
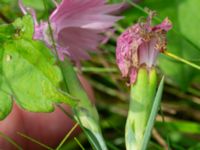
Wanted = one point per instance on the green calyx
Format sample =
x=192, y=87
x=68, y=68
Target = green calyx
x=141, y=100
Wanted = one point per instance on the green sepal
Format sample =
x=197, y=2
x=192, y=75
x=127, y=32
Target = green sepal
x=141, y=100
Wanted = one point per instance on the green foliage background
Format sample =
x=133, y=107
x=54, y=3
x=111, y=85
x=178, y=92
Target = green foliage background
x=24, y=63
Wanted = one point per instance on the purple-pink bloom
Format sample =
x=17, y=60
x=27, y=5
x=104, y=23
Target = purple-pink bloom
x=139, y=46
x=77, y=26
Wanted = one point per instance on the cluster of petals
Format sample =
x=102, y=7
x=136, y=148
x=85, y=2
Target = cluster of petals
x=77, y=26
x=139, y=46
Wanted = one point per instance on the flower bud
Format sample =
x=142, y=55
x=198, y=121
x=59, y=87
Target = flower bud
x=140, y=45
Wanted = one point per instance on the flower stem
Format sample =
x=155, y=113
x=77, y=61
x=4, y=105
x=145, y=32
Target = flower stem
x=54, y=44
x=66, y=137
x=85, y=113
x=10, y=141
x=34, y=141
x=141, y=100
x=182, y=60
x=77, y=141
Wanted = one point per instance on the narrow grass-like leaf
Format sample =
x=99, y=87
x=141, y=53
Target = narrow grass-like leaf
x=34, y=141
x=66, y=137
x=153, y=114
x=77, y=141
x=182, y=60
x=11, y=141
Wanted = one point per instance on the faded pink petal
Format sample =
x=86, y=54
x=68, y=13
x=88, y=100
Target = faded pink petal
x=133, y=75
x=165, y=25
x=127, y=48
x=77, y=26
x=139, y=46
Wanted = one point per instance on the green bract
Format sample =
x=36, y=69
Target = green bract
x=142, y=97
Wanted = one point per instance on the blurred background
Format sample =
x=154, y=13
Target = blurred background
x=178, y=122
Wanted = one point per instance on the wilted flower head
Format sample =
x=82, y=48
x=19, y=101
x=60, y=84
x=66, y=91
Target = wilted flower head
x=139, y=45
x=76, y=26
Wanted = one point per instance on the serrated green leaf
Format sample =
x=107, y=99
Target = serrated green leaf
x=5, y=99
x=29, y=71
x=1, y=69
x=24, y=28
x=6, y=31
x=6, y=104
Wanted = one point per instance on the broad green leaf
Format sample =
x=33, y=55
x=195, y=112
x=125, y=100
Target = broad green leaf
x=6, y=104
x=24, y=28
x=37, y=4
x=181, y=126
x=6, y=33
x=29, y=71
x=5, y=99
x=179, y=133
x=33, y=78
x=182, y=74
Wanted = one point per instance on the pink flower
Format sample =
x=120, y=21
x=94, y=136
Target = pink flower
x=139, y=46
x=77, y=26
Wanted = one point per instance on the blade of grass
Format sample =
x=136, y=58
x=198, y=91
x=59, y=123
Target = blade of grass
x=111, y=146
x=77, y=141
x=10, y=141
x=54, y=44
x=67, y=136
x=34, y=141
x=153, y=114
x=182, y=60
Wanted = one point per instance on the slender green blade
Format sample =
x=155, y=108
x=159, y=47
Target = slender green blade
x=85, y=112
x=142, y=95
x=153, y=114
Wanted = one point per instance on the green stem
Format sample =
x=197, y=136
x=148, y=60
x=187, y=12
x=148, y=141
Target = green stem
x=85, y=113
x=181, y=60
x=54, y=45
x=66, y=137
x=77, y=141
x=11, y=141
x=35, y=141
